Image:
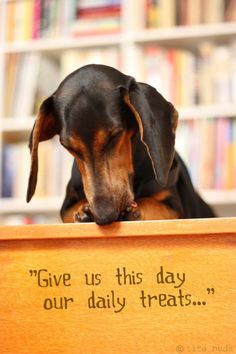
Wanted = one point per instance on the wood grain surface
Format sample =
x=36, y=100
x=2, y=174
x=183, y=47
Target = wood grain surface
x=138, y=287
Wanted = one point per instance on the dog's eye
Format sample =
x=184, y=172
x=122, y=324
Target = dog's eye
x=116, y=134
x=74, y=152
x=114, y=137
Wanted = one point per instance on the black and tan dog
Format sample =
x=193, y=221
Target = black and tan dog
x=122, y=135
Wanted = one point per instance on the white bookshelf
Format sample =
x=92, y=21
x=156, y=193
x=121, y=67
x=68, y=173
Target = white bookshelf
x=187, y=36
x=129, y=42
x=17, y=125
x=61, y=44
x=207, y=111
x=17, y=205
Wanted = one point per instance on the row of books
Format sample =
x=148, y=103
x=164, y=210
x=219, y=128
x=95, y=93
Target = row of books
x=185, y=78
x=168, y=13
x=208, y=146
x=206, y=76
x=97, y=16
x=31, y=77
x=33, y=19
x=54, y=169
x=71, y=60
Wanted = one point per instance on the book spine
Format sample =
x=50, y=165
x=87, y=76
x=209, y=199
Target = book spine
x=36, y=19
x=210, y=154
x=166, y=13
x=7, y=171
x=10, y=13
x=234, y=154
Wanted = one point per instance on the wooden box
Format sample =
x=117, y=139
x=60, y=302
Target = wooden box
x=135, y=287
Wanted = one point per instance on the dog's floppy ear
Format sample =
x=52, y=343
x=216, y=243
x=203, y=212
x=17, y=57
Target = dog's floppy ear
x=45, y=128
x=157, y=121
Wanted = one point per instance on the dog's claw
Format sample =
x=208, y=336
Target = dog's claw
x=86, y=209
x=85, y=218
x=85, y=215
x=77, y=217
x=131, y=213
x=136, y=214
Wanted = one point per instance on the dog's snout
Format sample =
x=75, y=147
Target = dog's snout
x=104, y=211
x=106, y=218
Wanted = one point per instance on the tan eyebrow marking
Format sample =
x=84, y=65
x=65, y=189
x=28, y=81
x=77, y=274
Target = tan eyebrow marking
x=100, y=138
x=77, y=145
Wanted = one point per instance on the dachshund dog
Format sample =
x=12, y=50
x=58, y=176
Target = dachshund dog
x=122, y=135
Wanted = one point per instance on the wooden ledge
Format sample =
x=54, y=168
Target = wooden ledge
x=214, y=227
x=72, y=288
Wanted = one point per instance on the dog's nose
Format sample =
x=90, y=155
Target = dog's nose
x=106, y=218
x=104, y=211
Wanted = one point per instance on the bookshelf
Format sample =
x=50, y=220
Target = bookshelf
x=125, y=49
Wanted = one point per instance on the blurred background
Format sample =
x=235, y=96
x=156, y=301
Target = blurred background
x=186, y=49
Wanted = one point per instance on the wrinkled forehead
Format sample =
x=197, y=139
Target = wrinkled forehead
x=88, y=112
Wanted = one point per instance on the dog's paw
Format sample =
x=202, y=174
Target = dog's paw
x=84, y=214
x=131, y=213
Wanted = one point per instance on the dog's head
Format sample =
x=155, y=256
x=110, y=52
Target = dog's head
x=97, y=111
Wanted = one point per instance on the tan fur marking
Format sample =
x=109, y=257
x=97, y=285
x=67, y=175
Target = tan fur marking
x=123, y=155
x=36, y=136
x=68, y=216
x=34, y=156
x=78, y=145
x=162, y=195
x=100, y=139
x=86, y=174
x=109, y=171
x=152, y=209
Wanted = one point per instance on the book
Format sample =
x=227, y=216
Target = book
x=11, y=67
x=208, y=147
x=10, y=23
x=55, y=165
x=48, y=78
x=8, y=166
x=193, y=12
x=230, y=10
x=26, y=84
x=35, y=19
x=166, y=13
x=36, y=11
x=233, y=144
x=221, y=62
x=206, y=76
x=32, y=77
x=73, y=59
x=233, y=71
x=213, y=11
x=20, y=152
